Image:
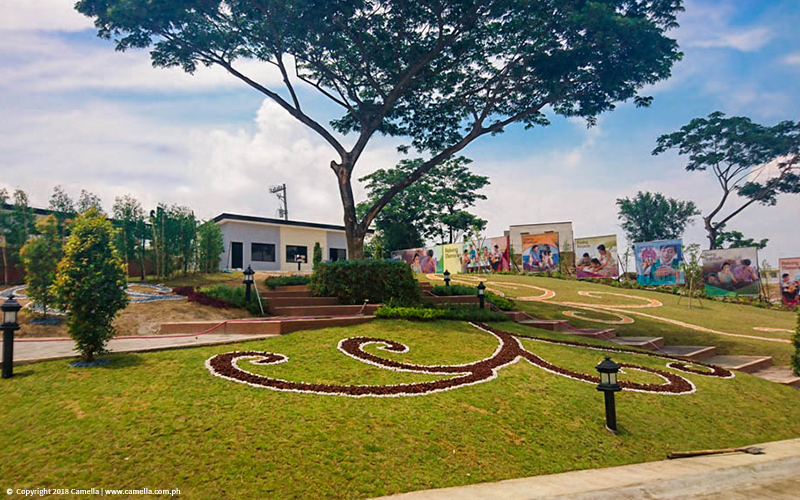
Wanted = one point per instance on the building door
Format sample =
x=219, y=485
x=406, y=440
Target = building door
x=237, y=255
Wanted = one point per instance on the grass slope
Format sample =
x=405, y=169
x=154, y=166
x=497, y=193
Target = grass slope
x=729, y=318
x=160, y=420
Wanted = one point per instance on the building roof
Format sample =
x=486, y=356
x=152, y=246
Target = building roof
x=280, y=222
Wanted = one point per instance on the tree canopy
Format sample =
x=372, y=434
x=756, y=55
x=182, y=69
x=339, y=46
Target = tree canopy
x=40, y=257
x=652, y=216
x=753, y=161
x=437, y=73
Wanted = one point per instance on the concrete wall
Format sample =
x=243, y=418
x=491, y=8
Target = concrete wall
x=301, y=236
x=336, y=239
x=248, y=233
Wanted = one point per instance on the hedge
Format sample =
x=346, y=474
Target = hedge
x=355, y=281
x=468, y=313
x=499, y=302
x=276, y=281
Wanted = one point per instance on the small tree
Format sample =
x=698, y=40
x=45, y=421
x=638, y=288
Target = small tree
x=210, y=245
x=652, y=216
x=128, y=215
x=63, y=208
x=40, y=257
x=90, y=283
x=317, y=258
x=693, y=270
x=88, y=200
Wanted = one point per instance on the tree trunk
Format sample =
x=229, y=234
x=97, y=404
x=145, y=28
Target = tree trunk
x=5, y=265
x=142, y=260
x=712, y=233
x=354, y=230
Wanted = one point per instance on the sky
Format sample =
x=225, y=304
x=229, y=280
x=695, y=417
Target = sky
x=76, y=113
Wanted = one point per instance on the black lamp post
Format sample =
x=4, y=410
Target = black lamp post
x=608, y=384
x=248, y=282
x=446, y=278
x=10, y=309
x=481, y=291
x=299, y=259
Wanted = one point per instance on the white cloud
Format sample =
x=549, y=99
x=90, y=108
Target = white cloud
x=41, y=15
x=710, y=26
x=792, y=59
x=748, y=40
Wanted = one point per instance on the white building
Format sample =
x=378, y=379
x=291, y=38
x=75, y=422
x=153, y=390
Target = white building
x=275, y=244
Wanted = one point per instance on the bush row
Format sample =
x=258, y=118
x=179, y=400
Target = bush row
x=220, y=296
x=463, y=313
x=354, y=281
x=276, y=281
x=499, y=302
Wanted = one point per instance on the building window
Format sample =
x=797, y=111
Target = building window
x=337, y=254
x=293, y=251
x=262, y=252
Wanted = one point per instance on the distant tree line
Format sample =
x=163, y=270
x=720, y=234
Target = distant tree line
x=168, y=239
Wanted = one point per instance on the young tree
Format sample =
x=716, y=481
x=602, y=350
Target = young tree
x=129, y=216
x=751, y=161
x=181, y=235
x=5, y=231
x=652, y=216
x=211, y=246
x=434, y=207
x=317, y=255
x=90, y=283
x=88, y=200
x=440, y=74
x=40, y=257
x=16, y=226
x=63, y=208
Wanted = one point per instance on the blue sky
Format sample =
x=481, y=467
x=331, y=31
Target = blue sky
x=79, y=114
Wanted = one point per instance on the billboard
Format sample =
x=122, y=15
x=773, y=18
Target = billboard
x=540, y=252
x=421, y=260
x=731, y=271
x=451, y=258
x=498, y=253
x=659, y=262
x=790, y=281
x=596, y=257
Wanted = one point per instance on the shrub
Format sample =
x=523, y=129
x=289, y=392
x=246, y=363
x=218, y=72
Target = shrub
x=317, y=255
x=90, y=283
x=235, y=296
x=276, y=281
x=354, y=281
x=40, y=257
x=201, y=298
x=499, y=302
x=463, y=313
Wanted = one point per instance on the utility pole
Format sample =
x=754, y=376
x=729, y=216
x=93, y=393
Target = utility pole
x=280, y=191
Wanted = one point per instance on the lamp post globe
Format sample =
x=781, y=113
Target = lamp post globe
x=10, y=308
x=608, y=385
x=248, y=282
x=481, y=293
x=446, y=278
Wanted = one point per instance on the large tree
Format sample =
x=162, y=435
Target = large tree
x=438, y=73
x=652, y=216
x=434, y=208
x=750, y=161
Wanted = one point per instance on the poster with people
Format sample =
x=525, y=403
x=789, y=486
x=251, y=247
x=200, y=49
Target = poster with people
x=421, y=260
x=789, y=274
x=476, y=257
x=540, y=252
x=659, y=262
x=498, y=253
x=596, y=257
x=451, y=258
x=731, y=271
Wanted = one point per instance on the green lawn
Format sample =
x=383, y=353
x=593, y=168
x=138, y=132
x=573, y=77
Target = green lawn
x=719, y=316
x=161, y=420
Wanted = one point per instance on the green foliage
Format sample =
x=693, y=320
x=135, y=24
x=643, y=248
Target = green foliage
x=652, y=216
x=317, y=255
x=735, y=239
x=276, y=281
x=499, y=302
x=40, y=257
x=87, y=201
x=354, y=281
x=210, y=246
x=129, y=219
x=174, y=238
x=63, y=208
x=458, y=313
x=796, y=343
x=439, y=75
x=693, y=270
x=733, y=148
x=90, y=283
x=235, y=296
x=15, y=227
x=433, y=207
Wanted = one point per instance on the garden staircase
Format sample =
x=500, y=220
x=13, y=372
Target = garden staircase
x=759, y=366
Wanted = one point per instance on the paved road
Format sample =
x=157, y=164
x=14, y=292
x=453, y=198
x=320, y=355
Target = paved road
x=775, y=475
x=29, y=350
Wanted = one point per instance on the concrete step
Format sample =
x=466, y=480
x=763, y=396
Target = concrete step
x=607, y=334
x=690, y=352
x=273, y=326
x=274, y=302
x=342, y=310
x=553, y=325
x=747, y=364
x=451, y=299
x=269, y=294
x=779, y=374
x=649, y=343
x=292, y=288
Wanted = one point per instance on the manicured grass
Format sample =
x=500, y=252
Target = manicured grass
x=160, y=420
x=719, y=316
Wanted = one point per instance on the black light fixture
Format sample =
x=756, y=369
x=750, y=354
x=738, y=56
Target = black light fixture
x=446, y=278
x=299, y=259
x=481, y=292
x=10, y=309
x=248, y=282
x=608, y=384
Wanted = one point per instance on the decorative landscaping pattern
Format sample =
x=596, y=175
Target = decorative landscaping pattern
x=509, y=351
x=137, y=293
